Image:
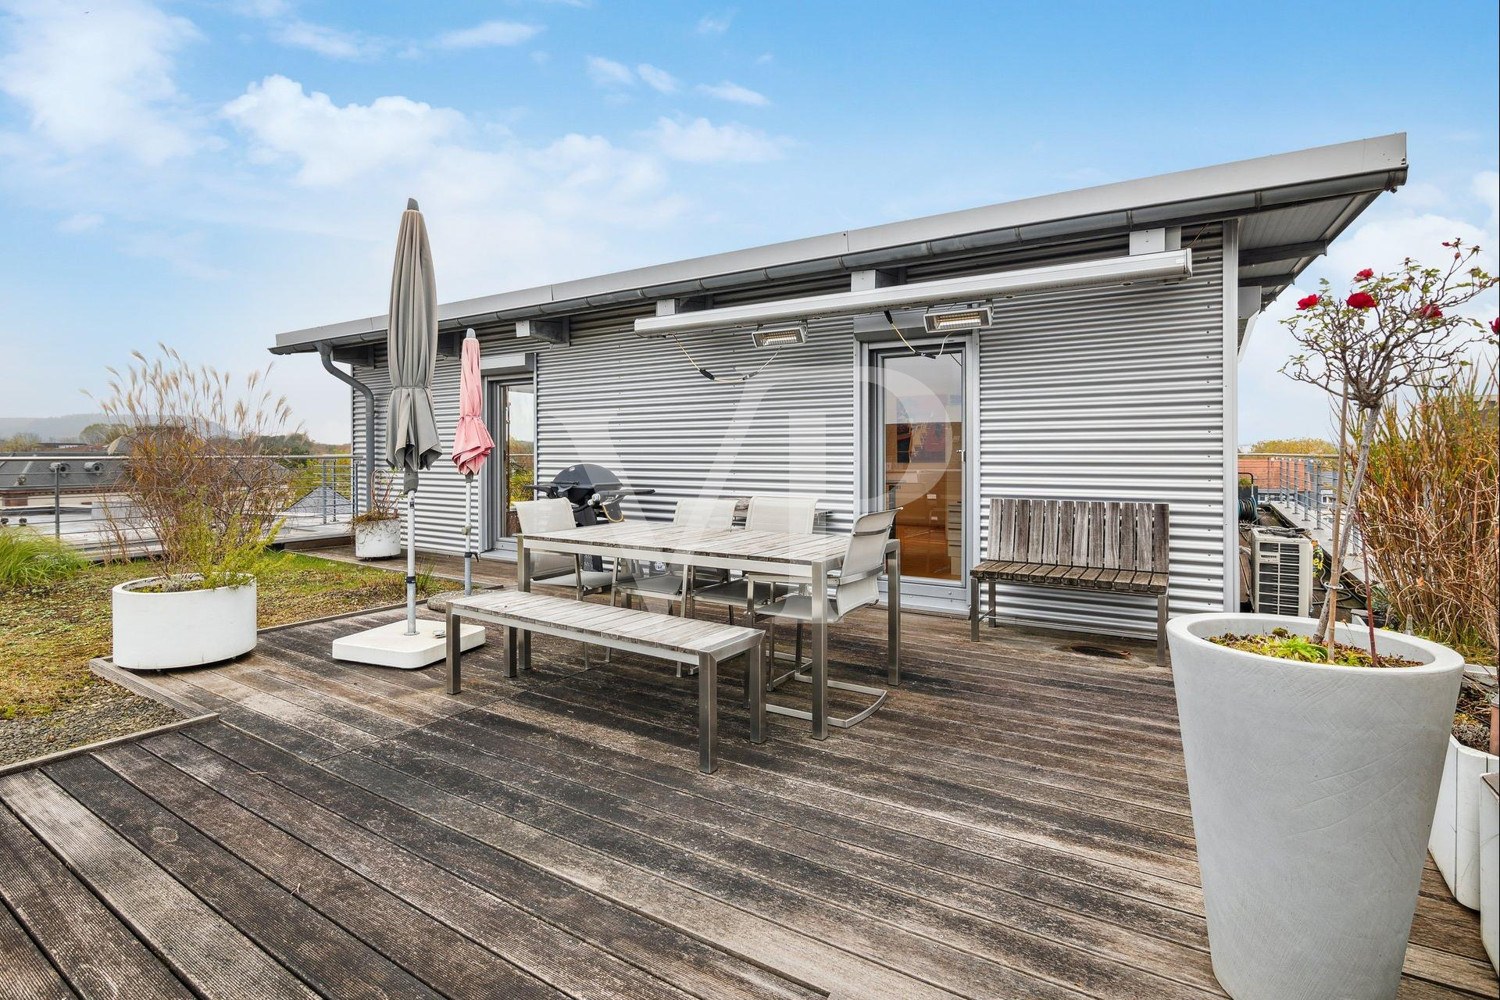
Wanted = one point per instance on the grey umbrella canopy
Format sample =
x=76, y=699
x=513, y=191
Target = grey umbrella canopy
x=411, y=440
x=411, y=435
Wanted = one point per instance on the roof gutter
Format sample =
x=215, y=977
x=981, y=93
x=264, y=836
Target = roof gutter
x=325, y=352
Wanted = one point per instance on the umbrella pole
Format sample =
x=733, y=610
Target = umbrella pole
x=468, y=535
x=411, y=562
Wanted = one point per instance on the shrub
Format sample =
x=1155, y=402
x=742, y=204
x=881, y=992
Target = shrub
x=1432, y=512
x=29, y=560
x=1396, y=332
x=198, y=472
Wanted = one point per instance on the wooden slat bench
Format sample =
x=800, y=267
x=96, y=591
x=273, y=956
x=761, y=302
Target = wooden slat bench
x=1098, y=545
x=699, y=644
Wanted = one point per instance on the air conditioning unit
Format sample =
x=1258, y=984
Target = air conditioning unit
x=1283, y=563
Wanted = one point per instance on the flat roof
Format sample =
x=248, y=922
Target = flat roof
x=1342, y=178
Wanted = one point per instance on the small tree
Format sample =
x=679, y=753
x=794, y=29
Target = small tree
x=1394, y=331
x=197, y=471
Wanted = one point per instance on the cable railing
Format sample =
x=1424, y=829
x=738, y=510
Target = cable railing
x=67, y=486
x=1305, y=487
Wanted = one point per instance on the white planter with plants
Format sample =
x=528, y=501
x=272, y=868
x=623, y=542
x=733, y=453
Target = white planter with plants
x=377, y=538
x=1312, y=788
x=1455, y=840
x=377, y=530
x=201, y=485
x=157, y=628
x=1315, y=750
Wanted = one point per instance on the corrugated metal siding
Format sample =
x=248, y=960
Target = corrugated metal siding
x=636, y=406
x=1087, y=393
x=1113, y=393
x=440, y=500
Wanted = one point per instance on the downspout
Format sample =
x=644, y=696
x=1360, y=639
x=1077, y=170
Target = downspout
x=325, y=351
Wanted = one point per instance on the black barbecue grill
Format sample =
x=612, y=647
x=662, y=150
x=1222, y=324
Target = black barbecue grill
x=593, y=490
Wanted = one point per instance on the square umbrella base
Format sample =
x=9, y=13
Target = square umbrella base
x=390, y=646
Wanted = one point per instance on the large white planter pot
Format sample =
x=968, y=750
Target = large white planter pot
x=1489, y=867
x=188, y=628
x=377, y=539
x=1312, y=790
x=1454, y=842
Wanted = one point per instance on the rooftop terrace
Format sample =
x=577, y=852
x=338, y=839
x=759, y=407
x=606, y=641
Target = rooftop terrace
x=1013, y=823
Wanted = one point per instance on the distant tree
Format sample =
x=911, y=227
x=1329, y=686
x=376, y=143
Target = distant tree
x=101, y=432
x=20, y=443
x=1292, y=446
x=289, y=444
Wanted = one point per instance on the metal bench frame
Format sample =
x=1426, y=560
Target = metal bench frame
x=567, y=619
x=1105, y=546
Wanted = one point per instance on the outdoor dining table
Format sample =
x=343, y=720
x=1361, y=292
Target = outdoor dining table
x=796, y=556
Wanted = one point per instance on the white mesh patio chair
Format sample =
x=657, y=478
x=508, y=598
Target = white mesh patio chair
x=710, y=513
x=553, y=569
x=786, y=515
x=855, y=584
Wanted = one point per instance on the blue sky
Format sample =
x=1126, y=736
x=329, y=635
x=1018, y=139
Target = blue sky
x=211, y=172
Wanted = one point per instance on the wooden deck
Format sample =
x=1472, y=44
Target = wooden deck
x=1014, y=823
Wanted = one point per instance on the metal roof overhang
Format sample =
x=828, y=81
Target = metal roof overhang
x=1293, y=204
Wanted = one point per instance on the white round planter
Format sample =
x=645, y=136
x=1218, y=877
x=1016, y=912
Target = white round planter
x=1454, y=842
x=188, y=628
x=1312, y=790
x=377, y=539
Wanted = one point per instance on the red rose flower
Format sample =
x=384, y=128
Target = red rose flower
x=1429, y=311
x=1365, y=275
x=1308, y=302
x=1361, y=300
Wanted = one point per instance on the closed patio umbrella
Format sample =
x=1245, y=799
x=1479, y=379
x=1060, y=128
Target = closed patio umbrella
x=411, y=444
x=411, y=439
x=472, y=444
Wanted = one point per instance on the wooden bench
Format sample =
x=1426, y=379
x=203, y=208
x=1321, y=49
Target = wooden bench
x=682, y=640
x=1098, y=545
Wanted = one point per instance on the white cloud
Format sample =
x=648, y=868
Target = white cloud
x=490, y=33
x=325, y=41
x=701, y=141
x=80, y=222
x=715, y=24
x=608, y=73
x=332, y=143
x=658, y=79
x=99, y=78
x=261, y=8
x=728, y=91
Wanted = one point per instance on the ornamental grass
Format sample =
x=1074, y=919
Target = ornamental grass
x=1431, y=506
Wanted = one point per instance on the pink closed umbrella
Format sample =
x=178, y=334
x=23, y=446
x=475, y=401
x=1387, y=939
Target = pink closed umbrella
x=472, y=443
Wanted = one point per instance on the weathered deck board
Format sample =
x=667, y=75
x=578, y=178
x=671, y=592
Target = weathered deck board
x=81, y=937
x=1013, y=823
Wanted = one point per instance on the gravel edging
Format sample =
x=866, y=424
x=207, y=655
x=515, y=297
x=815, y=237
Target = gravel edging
x=107, y=712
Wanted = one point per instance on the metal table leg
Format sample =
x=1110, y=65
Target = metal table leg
x=523, y=584
x=454, y=653
x=893, y=612
x=708, y=713
x=819, y=640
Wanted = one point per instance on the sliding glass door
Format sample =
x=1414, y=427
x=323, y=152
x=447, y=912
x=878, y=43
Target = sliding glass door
x=918, y=428
x=512, y=466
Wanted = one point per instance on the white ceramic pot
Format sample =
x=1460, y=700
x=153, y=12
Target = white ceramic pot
x=377, y=539
x=1454, y=842
x=1489, y=867
x=1312, y=789
x=186, y=628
